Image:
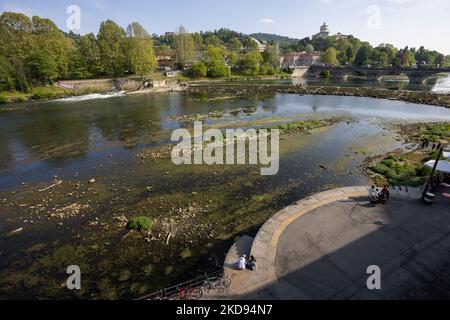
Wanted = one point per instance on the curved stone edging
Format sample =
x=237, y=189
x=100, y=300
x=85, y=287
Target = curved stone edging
x=264, y=246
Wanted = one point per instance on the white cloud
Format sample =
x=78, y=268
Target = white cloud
x=267, y=20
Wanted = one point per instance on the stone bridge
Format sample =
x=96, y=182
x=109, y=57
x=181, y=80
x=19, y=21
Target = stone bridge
x=415, y=75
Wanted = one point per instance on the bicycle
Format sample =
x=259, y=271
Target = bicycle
x=189, y=293
x=216, y=283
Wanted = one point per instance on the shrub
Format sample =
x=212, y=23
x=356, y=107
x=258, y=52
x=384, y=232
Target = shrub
x=219, y=70
x=140, y=223
x=43, y=93
x=398, y=171
x=3, y=99
x=326, y=74
x=199, y=70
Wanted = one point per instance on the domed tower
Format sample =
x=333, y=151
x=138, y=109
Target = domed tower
x=324, y=29
x=324, y=32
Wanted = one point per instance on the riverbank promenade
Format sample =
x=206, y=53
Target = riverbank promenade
x=322, y=246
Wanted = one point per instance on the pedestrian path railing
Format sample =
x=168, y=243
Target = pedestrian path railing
x=192, y=289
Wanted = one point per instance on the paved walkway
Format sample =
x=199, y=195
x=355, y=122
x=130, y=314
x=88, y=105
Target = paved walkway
x=320, y=248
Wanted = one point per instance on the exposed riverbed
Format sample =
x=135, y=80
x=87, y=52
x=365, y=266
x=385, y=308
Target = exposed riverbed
x=52, y=215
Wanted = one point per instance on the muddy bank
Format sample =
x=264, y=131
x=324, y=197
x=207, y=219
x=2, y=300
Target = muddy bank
x=419, y=97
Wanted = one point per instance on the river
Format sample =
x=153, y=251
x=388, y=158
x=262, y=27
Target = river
x=197, y=210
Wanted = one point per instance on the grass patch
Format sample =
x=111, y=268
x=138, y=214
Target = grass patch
x=140, y=223
x=400, y=171
x=434, y=132
x=304, y=125
x=3, y=99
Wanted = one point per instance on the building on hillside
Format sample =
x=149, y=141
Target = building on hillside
x=341, y=36
x=324, y=32
x=165, y=61
x=302, y=58
x=261, y=46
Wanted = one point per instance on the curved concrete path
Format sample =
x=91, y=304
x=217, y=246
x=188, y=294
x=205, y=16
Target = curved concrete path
x=320, y=247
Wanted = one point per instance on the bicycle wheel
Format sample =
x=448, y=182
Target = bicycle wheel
x=195, y=293
x=224, y=282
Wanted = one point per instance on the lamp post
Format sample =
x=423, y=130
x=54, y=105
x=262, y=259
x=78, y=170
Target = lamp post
x=430, y=180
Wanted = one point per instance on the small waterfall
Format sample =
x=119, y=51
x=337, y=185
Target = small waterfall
x=442, y=85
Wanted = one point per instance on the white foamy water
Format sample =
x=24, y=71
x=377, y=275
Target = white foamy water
x=92, y=96
x=442, y=85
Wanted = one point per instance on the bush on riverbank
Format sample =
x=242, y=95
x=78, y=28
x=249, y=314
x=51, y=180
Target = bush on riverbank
x=140, y=223
x=3, y=99
x=399, y=171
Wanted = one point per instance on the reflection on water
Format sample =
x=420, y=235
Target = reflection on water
x=40, y=139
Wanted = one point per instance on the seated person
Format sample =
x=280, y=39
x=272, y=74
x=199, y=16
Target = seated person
x=374, y=194
x=242, y=262
x=384, y=194
x=251, y=264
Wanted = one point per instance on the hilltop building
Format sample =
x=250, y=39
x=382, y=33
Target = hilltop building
x=324, y=32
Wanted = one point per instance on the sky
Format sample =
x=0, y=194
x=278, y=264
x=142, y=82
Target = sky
x=400, y=22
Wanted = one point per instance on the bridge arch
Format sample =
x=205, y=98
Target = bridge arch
x=415, y=75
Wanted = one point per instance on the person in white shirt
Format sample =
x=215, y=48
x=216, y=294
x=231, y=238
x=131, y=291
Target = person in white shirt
x=373, y=193
x=242, y=262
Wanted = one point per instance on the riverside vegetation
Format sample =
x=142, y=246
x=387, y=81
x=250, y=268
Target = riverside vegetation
x=407, y=168
x=34, y=54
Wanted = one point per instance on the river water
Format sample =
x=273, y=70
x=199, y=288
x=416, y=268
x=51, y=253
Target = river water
x=198, y=210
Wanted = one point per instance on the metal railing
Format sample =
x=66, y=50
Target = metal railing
x=172, y=293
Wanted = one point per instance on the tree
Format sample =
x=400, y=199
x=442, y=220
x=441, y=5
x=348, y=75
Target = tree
x=271, y=56
x=184, y=46
x=90, y=54
x=446, y=62
x=407, y=58
x=42, y=67
x=198, y=43
x=349, y=53
x=213, y=40
x=6, y=75
x=329, y=57
x=250, y=45
x=111, y=44
x=250, y=63
x=199, y=70
x=235, y=45
x=383, y=58
x=309, y=48
x=233, y=58
x=140, y=51
x=49, y=40
x=15, y=35
x=439, y=59
x=215, y=62
x=141, y=56
x=363, y=56
x=219, y=70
